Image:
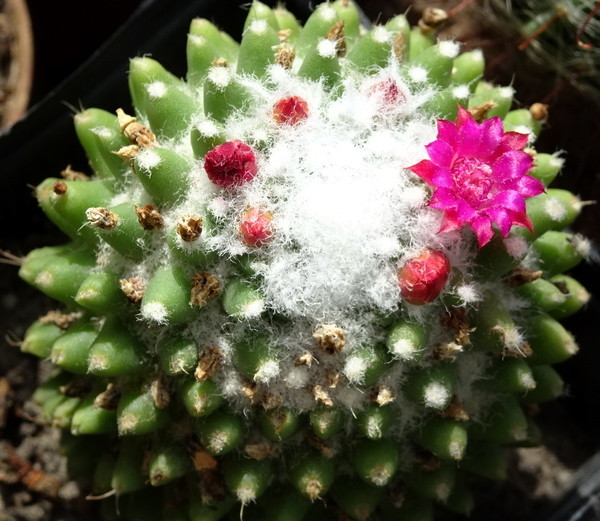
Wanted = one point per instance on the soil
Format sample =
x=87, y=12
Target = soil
x=34, y=482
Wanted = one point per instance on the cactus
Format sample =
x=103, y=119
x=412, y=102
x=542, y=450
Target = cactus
x=282, y=287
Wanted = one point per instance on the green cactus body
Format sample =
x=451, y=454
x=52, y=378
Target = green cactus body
x=271, y=308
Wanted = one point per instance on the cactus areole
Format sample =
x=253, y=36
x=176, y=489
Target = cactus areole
x=324, y=265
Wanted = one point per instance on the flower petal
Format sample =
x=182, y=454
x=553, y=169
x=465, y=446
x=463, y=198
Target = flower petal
x=440, y=152
x=443, y=199
x=443, y=178
x=470, y=137
x=521, y=219
x=511, y=165
x=509, y=199
x=529, y=186
x=491, y=137
x=463, y=115
x=482, y=226
x=465, y=212
x=502, y=218
x=450, y=222
x=447, y=132
x=424, y=169
x=514, y=141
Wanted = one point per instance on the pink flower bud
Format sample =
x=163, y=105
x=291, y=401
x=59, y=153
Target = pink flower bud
x=230, y=164
x=290, y=111
x=423, y=278
x=388, y=94
x=256, y=226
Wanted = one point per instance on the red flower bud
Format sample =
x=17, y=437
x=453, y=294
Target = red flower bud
x=230, y=164
x=256, y=226
x=423, y=278
x=290, y=111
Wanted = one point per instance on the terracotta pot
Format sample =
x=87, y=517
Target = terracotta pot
x=16, y=55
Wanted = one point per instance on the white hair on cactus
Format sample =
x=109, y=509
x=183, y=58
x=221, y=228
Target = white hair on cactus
x=103, y=132
x=449, y=49
x=516, y=246
x=456, y=450
x=327, y=48
x=297, y=377
x=258, y=26
x=147, y=159
x=555, y=209
x=418, y=74
x=156, y=89
x=527, y=380
x=267, y=371
x=468, y=293
x=253, y=309
x=381, y=34
x=461, y=92
x=355, y=368
x=556, y=161
x=220, y=76
x=436, y=395
x=155, y=312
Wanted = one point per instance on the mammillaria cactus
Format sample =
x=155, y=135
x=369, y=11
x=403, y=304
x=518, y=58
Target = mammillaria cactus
x=323, y=267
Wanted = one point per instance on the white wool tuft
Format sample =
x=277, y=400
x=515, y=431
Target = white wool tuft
x=418, y=74
x=449, y=49
x=436, y=395
x=403, y=349
x=381, y=34
x=156, y=89
x=327, y=48
x=253, y=309
x=258, y=26
x=147, y=159
x=155, y=312
x=297, y=377
x=468, y=293
x=328, y=13
x=556, y=162
x=355, y=368
x=456, y=450
x=267, y=371
x=516, y=246
x=527, y=380
x=477, y=55
x=555, y=209
x=220, y=76
x=461, y=92
x=103, y=132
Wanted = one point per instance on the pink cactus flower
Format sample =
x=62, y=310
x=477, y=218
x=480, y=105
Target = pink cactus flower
x=479, y=173
x=230, y=164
